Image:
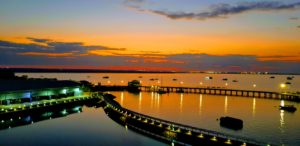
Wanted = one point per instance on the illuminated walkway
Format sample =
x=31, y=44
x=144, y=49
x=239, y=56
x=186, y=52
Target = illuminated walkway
x=14, y=108
x=170, y=132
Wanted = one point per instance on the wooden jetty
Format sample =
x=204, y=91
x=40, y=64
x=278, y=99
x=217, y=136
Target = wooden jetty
x=224, y=91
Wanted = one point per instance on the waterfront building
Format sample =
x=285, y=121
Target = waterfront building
x=13, y=91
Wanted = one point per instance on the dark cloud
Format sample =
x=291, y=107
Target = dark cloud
x=38, y=40
x=50, y=48
x=223, y=10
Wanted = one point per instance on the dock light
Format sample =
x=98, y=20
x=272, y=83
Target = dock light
x=32, y=122
x=228, y=141
x=126, y=127
x=178, y=130
x=214, y=139
x=254, y=85
x=19, y=118
x=160, y=125
x=189, y=133
x=282, y=85
x=11, y=119
x=172, y=143
x=226, y=84
x=9, y=127
x=201, y=83
x=201, y=136
x=244, y=144
x=2, y=121
x=122, y=81
x=181, y=82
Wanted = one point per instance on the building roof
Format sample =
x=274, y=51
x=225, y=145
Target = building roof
x=34, y=84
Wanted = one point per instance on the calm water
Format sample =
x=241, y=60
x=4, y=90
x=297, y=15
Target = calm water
x=249, y=82
x=262, y=118
x=92, y=127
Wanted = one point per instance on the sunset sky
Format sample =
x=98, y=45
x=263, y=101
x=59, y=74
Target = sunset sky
x=178, y=35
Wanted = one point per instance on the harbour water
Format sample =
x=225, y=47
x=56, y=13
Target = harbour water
x=262, y=118
x=234, y=81
x=91, y=127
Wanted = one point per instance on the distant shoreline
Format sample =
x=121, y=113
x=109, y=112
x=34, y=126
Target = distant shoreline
x=42, y=70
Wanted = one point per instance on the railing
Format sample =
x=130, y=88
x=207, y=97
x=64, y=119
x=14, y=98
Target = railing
x=125, y=111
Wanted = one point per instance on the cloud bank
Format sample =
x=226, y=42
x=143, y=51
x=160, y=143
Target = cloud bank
x=221, y=10
x=76, y=54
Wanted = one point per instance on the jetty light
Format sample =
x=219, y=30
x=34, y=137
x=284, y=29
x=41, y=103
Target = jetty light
x=282, y=85
x=214, y=139
x=254, y=85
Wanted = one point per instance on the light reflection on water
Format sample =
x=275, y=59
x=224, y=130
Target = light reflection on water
x=262, y=118
x=242, y=81
x=91, y=127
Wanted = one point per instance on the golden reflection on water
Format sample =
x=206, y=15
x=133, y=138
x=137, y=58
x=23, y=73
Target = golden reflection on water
x=253, y=107
x=282, y=120
x=261, y=116
x=200, y=104
x=225, y=105
x=151, y=101
x=282, y=123
x=122, y=98
x=181, y=102
x=282, y=103
x=140, y=101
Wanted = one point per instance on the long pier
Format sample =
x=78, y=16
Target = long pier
x=223, y=91
x=171, y=132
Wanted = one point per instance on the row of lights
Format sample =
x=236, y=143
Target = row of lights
x=214, y=138
x=44, y=104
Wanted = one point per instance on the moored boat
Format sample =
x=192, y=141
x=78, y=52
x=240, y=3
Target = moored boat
x=232, y=123
x=105, y=77
x=289, y=108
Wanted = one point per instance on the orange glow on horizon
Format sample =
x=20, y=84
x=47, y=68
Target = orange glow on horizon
x=138, y=45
